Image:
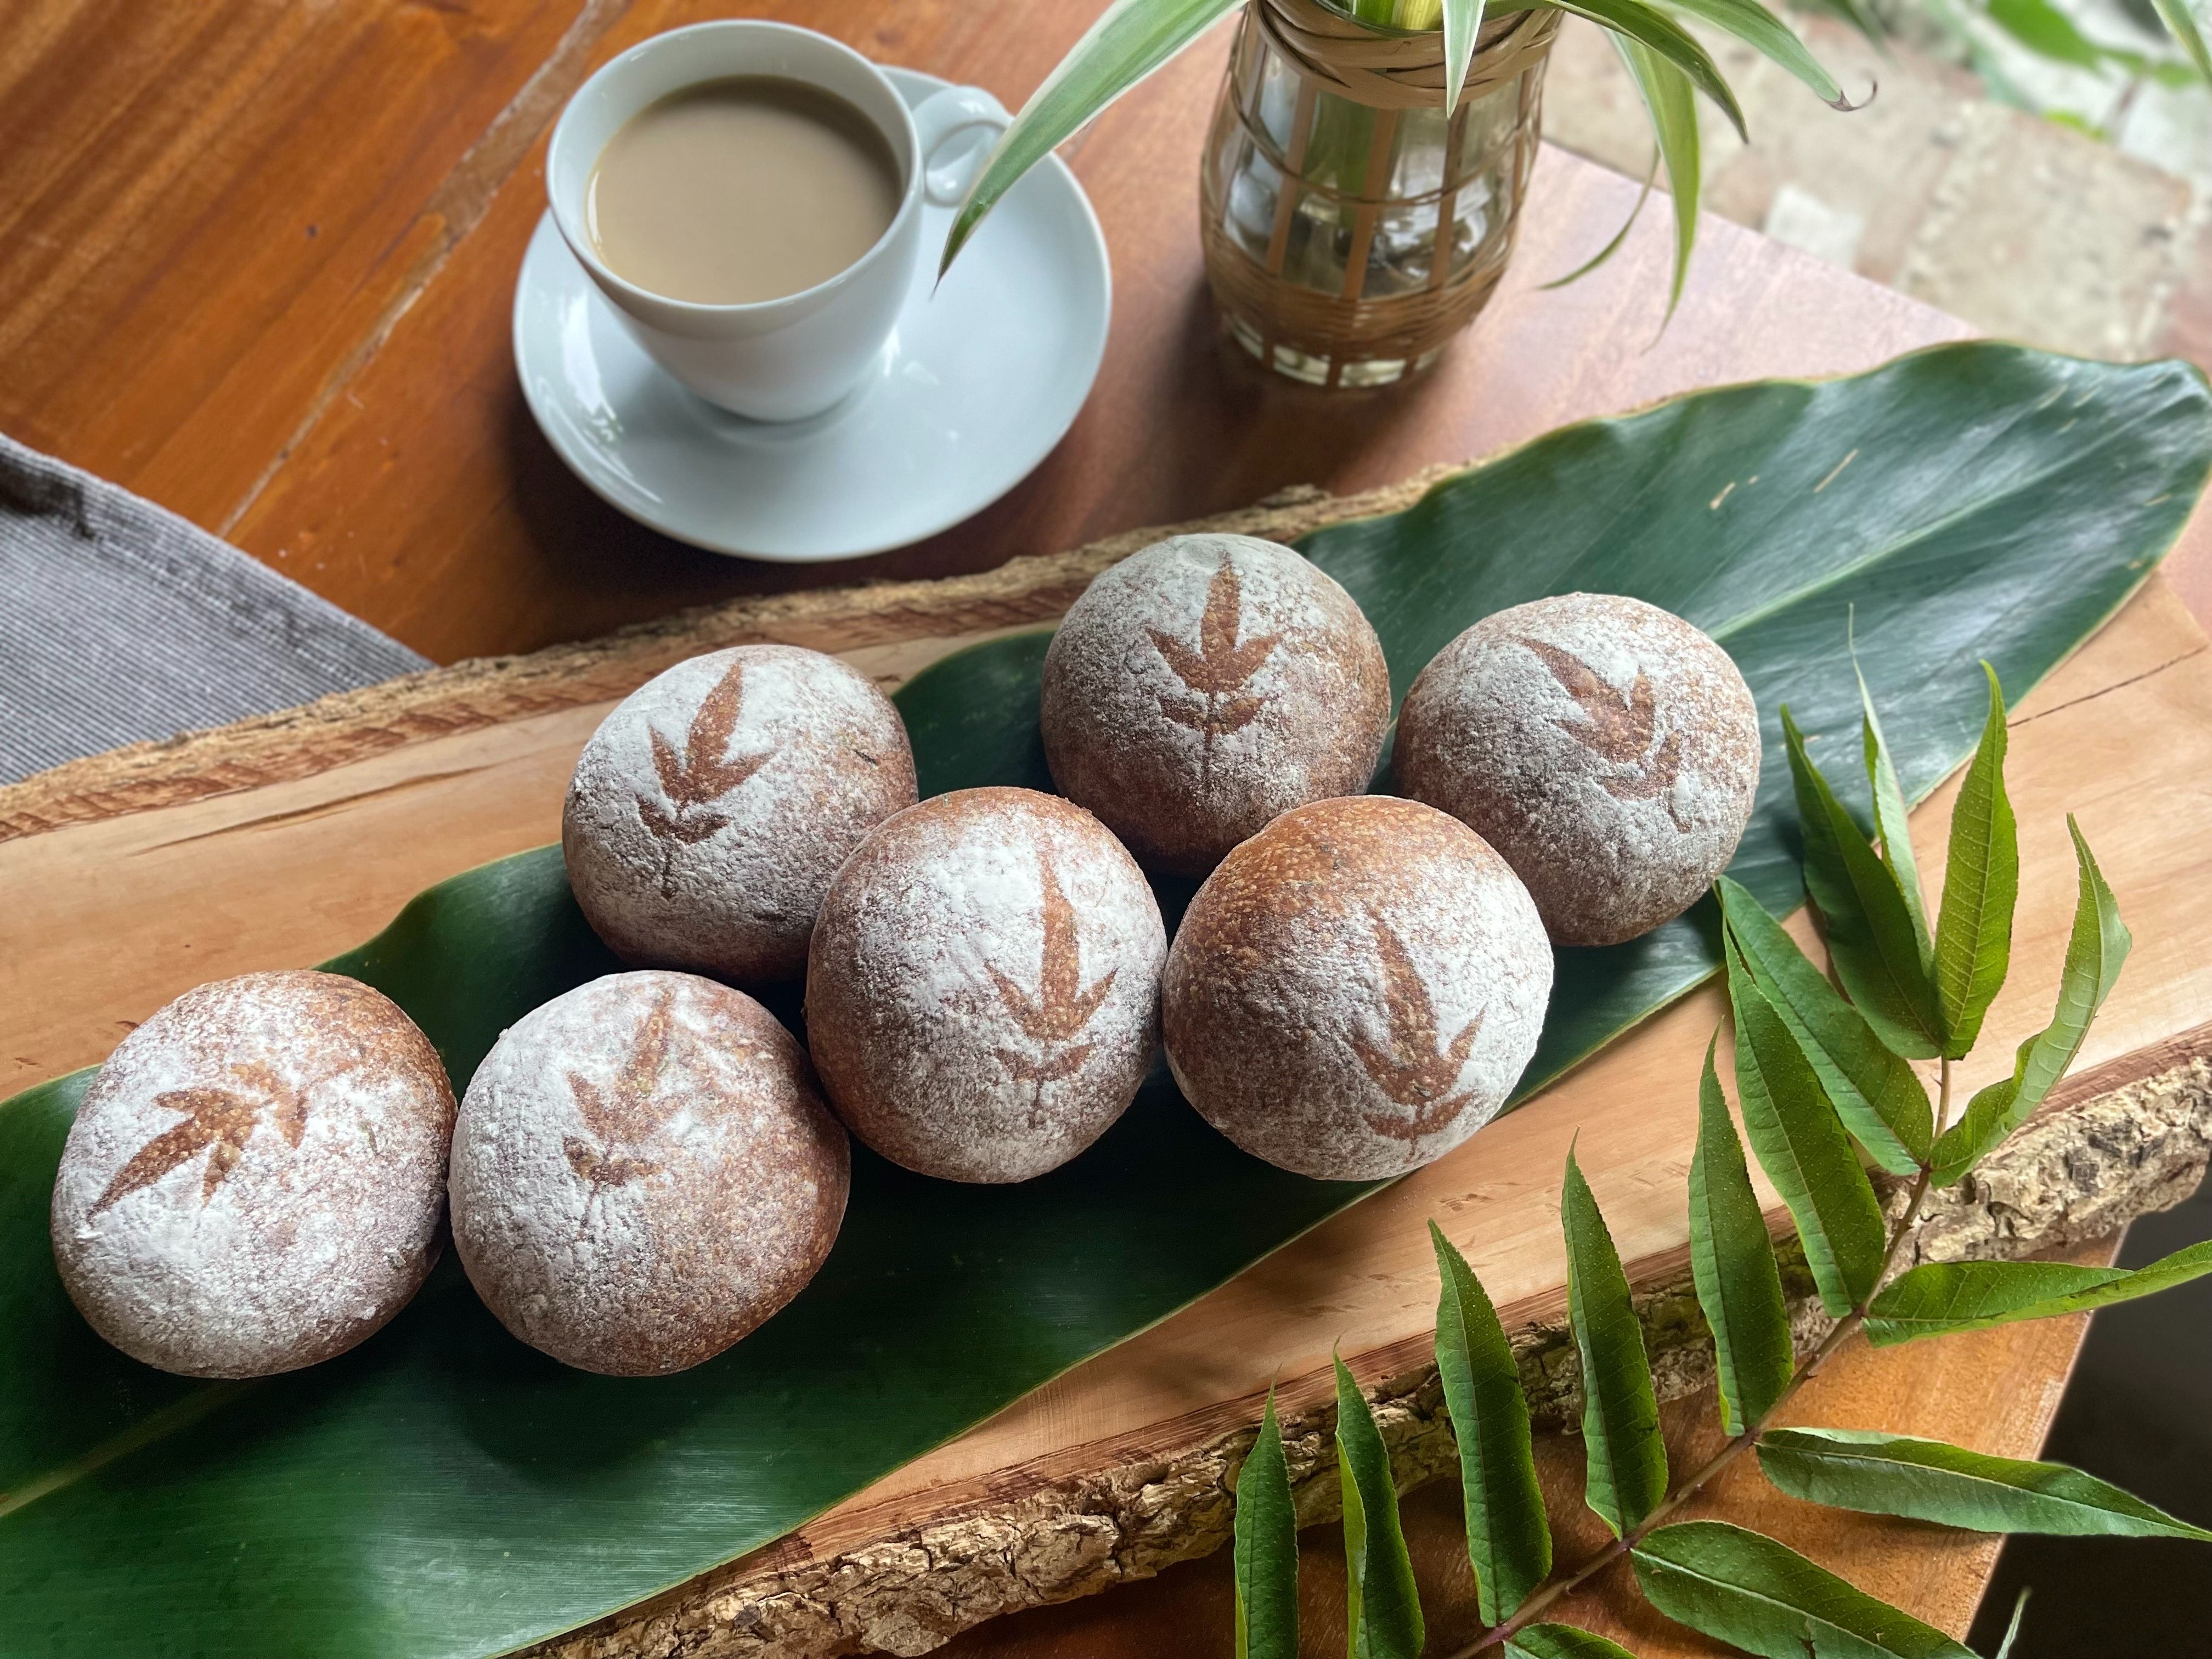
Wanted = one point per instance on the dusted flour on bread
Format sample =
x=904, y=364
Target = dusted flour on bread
x=1204, y=685
x=1610, y=749
x=1356, y=990
x=254, y=1180
x=710, y=809
x=643, y=1172
x=982, y=995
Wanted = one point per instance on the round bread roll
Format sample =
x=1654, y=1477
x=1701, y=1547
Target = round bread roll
x=1606, y=747
x=982, y=995
x=643, y=1173
x=710, y=809
x=1204, y=685
x=255, y=1179
x=1356, y=990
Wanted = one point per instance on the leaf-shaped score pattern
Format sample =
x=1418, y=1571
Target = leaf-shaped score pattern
x=1063, y=1006
x=1617, y=727
x=218, y=1121
x=1219, y=670
x=625, y=1115
x=1415, y=1066
x=704, y=773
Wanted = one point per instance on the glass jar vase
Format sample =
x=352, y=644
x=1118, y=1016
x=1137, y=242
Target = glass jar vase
x=1351, y=228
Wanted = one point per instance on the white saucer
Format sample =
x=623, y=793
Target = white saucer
x=977, y=383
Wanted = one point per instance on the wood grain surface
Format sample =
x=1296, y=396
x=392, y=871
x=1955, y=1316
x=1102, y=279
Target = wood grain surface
x=259, y=263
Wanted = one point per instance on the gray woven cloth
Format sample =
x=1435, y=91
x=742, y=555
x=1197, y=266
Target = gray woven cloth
x=120, y=621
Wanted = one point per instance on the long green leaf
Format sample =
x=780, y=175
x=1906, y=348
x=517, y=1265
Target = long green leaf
x=2093, y=956
x=1801, y=1144
x=1871, y=937
x=1384, y=1608
x=1981, y=886
x=1764, y=1597
x=1632, y=21
x=1883, y=1473
x=1878, y=1095
x=1758, y=28
x=1667, y=98
x=1562, y=1642
x=1129, y=41
x=1509, y=1540
x=2180, y=20
x=1941, y=1297
x=1732, y=1260
x=1891, y=827
x=1627, y=1473
x=1462, y=23
x=1266, y=1549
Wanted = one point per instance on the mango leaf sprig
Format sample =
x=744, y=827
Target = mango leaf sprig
x=1826, y=1084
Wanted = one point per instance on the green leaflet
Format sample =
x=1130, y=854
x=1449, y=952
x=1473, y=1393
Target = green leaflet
x=2180, y=20
x=1981, y=886
x=1131, y=38
x=1755, y=26
x=1509, y=1542
x=1384, y=1609
x=1462, y=23
x=1891, y=827
x=1667, y=99
x=1563, y=1641
x=1266, y=1551
x=1632, y=22
x=1883, y=1474
x=1755, y=1593
x=1801, y=1146
x=1627, y=1473
x=1880, y=1097
x=1871, y=937
x=2012, y=1626
x=1943, y=1297
x=2094, y=955
x=1732, y=1259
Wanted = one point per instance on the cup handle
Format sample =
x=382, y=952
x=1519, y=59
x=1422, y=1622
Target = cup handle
x=946, y=115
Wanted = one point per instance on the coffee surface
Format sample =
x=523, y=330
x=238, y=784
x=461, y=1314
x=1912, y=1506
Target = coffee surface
x=741, y=190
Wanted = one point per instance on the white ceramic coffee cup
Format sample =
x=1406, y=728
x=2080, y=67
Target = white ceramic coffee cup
x=772, y=359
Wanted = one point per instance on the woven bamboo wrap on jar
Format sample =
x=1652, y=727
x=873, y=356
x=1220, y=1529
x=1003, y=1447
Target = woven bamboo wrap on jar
x=1331, y=177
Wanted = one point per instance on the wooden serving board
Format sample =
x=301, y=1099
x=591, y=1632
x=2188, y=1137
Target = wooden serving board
x=281, y=841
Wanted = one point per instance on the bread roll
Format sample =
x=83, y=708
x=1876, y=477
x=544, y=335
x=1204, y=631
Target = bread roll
x=643, y=1172
x=710, y=809
x=1607, y=748
x=982, y=995
x=1356, y=990
x=1204, y=685
x=255, y=1179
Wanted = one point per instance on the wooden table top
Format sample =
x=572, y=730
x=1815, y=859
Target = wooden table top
x=257, y=262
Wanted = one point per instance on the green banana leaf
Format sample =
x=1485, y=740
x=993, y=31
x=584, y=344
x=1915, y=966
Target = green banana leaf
x=443, y=1490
